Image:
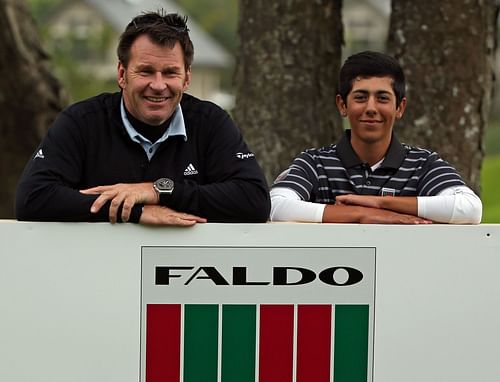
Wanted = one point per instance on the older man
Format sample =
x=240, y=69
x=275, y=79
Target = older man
x=150, y=153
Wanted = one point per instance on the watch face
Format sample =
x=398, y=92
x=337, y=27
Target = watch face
x=164, y=184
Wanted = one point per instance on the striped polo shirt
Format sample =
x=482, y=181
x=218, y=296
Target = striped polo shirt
x=319, y=175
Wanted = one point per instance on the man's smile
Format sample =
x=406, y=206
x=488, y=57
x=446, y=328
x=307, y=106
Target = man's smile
x=156, y=99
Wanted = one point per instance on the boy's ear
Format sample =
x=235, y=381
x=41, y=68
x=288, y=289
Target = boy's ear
x=341, y=105
x=401, y=108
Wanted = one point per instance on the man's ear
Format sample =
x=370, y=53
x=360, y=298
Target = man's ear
x=120, y=75
x=188, y=79
x=401, y=108
x=341, y=105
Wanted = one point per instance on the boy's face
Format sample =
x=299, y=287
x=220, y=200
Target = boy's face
x=371, y=109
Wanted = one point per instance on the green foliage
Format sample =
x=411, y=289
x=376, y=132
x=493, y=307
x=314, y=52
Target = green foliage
x=217, y=17
x=78, y=83
x=41, y=9
x=220, y=19
x=490, y=185
x=67, y=55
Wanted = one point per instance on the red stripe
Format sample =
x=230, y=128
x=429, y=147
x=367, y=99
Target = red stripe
x=276, y=343
x=314, y=343
x=163, y=338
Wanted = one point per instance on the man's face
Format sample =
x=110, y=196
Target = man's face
x=153, y=81
x=371, y=109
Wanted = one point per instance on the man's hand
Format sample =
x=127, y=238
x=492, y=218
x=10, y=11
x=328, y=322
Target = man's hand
x=122, y=194
x=159, y=215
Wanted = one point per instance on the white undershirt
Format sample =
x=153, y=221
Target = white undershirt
x=456, y=205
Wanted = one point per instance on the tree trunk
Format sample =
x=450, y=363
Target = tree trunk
x=286, y=77
x=446, y=49
x=30, y=97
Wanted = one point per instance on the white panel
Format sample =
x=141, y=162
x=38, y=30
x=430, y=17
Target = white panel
x=70, y=295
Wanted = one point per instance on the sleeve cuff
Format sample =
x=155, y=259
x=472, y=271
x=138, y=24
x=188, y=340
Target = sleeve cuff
x=135, y=214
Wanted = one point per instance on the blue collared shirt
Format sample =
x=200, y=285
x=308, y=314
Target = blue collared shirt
x=176, y=127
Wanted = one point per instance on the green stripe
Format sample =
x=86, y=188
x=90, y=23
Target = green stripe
x=238, y=343
x=351, y=343
x=200, y=343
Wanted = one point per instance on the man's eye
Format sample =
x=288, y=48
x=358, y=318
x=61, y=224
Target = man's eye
x=172, y=72
x=359, y=98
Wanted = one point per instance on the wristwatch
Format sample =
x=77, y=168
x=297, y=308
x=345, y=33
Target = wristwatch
x=163, y=186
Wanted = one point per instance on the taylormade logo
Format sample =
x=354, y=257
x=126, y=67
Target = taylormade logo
x=245, y=155
x=280, y=276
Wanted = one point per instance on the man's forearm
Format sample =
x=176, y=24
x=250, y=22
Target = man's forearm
x=61, y=203
x=368, y=215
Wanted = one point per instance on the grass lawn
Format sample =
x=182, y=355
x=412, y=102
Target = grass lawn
x=490, y=175
x=490, y=189
x=492, y=138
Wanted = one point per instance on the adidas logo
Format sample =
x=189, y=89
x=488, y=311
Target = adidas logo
x=39, y=154
x=190, y=170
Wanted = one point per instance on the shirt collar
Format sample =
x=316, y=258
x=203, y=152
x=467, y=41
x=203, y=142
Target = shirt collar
x=395, y=155
x=393, y=159
x=177, y=126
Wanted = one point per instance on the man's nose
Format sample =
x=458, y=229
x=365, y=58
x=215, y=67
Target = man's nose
x=157, y=82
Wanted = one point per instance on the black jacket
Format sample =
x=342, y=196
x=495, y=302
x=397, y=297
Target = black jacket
x=88, y=146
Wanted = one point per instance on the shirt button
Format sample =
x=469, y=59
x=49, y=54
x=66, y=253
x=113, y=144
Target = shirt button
x=150, y=150
x=368, y=182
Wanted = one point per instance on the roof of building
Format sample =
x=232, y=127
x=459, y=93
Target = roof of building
x=207, y=51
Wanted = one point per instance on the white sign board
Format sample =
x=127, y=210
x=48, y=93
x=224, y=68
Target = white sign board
x=249, y=302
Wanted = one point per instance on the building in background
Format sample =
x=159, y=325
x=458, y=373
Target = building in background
x=366, y=25
x=89, y=30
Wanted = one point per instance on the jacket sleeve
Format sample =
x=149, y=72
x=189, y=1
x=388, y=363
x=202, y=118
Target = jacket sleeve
x=235, y=189
x=48, y=189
